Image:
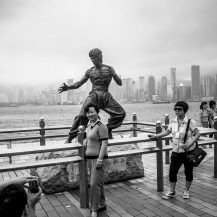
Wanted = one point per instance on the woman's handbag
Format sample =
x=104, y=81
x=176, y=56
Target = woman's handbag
x=198, y=154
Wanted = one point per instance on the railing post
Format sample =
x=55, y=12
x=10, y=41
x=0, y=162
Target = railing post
x=167, y=152
x=9, y=147
x=134, y=125
x=83, y=176
x=159, y=155
x=42, y=131
x=215, y=148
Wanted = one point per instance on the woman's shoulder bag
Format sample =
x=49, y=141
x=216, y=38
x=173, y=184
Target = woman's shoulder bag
x=198, y=154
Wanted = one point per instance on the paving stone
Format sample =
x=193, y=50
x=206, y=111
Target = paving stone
x=48, y=208
x=40, y=213
x=52, y=214
x=138, y=198
x=113, y=214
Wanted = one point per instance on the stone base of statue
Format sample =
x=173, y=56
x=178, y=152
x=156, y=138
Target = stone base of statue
x=61, y=178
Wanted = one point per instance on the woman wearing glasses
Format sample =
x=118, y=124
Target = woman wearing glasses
x=178, y=129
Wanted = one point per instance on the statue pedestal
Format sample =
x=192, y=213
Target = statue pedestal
x=61, y=178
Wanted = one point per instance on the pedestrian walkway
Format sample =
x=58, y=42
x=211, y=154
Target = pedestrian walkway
x=138, y=197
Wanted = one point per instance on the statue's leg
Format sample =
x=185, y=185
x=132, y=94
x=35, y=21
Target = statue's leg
x=80, y=119
x=116, y=112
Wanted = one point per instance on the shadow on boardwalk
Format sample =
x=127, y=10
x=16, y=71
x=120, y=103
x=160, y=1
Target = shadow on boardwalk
x=139, y=197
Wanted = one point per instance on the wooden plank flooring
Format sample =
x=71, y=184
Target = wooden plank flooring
x=138, y=197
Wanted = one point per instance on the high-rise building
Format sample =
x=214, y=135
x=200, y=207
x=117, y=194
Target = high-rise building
x=134, y=91
x=115, y=90
x=187, y=92
x=141, y=82
x=208, y=80
x=169, y=91
x=213, y=86
x=70, y=92
x=124, y=85
x=195, y=82
x=203, y=86
x=127, y=89
x=215, y=92
x=151, y=87
x=163, y=87
x=180, y=92
x=3, y=98
x=141, y=91
x=21, y=96
x=50, y=97
x=173, y=83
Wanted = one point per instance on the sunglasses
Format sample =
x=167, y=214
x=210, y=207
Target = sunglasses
x=178, y=109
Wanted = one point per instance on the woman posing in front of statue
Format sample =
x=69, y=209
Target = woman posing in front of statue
x=96, y=153
x=180, y=148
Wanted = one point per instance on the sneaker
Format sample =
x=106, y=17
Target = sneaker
x=186, y=194
x=94, y=214
x=169, y=195
x=101, y=208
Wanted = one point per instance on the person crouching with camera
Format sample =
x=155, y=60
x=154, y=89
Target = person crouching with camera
x=15, y=201
x=180, y=148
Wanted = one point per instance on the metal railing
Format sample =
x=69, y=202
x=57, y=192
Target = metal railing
x=158, y=149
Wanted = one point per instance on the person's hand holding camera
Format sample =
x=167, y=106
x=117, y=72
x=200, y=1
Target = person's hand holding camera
x=24, y=179
x=33, y=199
x=18, y=180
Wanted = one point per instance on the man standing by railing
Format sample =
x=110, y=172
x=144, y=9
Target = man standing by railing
x=100, y=76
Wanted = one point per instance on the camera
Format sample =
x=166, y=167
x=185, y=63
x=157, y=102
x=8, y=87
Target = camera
x=33, y=186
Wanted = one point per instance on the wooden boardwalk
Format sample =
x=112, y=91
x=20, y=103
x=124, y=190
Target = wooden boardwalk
x=138, y=197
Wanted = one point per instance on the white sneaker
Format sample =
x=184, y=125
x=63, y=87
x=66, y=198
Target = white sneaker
x=169, y=195
x=186, y=194
x=94, y=214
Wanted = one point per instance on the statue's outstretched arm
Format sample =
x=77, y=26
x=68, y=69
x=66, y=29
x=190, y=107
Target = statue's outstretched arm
x=79, y=83
x=76, y=85
x=116, y=77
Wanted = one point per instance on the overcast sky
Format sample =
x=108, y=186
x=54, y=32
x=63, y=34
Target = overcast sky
x=49, y=40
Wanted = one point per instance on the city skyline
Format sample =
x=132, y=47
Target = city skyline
x=48, y=41
x=138, y=89
x=179, y=79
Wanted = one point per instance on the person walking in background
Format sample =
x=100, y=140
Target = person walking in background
x=96, y=153
x=100, y=76
x=204, y=116
x=180, y=148
x=213, y=113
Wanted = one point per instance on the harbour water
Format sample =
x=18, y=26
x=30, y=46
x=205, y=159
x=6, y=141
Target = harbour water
x=28, y=116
